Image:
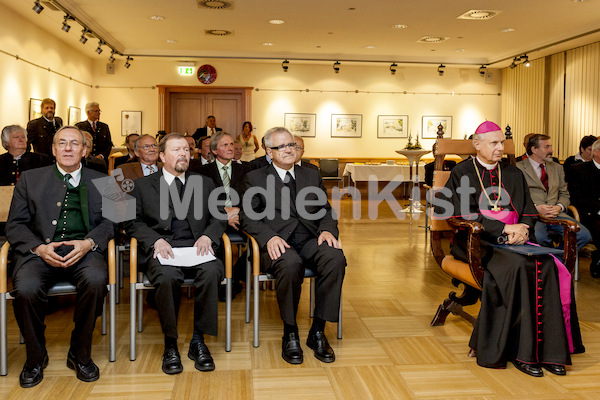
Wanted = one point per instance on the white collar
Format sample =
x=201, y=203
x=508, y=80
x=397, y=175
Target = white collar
x=487, y=166
x=534, y=164
x=220, y=165
x=169, y=177
x=578, y=157
x=282, y=172
x=75, y=175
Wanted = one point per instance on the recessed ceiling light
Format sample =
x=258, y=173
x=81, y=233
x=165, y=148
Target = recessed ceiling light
x=267, y=44
x=459, y=50
x=479, y=14
x=508, y=30
x=578, y=1
x=277, y=21
x=157, y=18
x=433, y=39
x=318, y=47
x=171, y=41
x=369, y=47
x=351, y=9
x=218, y=32
x=400, y=26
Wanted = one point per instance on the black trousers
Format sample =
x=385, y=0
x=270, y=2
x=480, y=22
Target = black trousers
x=329, y=265
x=31, y=282
x=168, y=280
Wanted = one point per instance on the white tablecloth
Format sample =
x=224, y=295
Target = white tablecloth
x=384, y=172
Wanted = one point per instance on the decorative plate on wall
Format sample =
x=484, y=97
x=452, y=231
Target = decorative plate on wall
x=207, y=74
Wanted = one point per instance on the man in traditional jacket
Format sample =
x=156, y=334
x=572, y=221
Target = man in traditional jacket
x=523, y=318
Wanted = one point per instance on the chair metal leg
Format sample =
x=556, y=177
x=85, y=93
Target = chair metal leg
x=256, y=310
x=104, y=316
x=248, y=285
x=3, y=344
x=312, y=297
x=576, y=275
x=228, y=295
x=132, y=320
x=112, y=328
x=140, y=310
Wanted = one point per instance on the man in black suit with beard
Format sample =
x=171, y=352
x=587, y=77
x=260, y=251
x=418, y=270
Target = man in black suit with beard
x=158, y=235
x=40, y=131
x=585, y=195
x=57, y=231
x=209, y=129
x=100, y=131
x=302, y=233
x=17, y=159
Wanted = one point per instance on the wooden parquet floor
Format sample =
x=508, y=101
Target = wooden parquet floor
x=389, y=351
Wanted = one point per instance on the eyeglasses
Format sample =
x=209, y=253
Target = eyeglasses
x=282, y=147
x=299, y=148
x=74, y=144
x=94, y=111
x=149, y=146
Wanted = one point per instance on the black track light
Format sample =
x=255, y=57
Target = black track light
x=482, y=70
x=128, y=63
x=65, y=25
x=393, y=68
x=285, y=65
x=83, y=39
x=441, y=69
x=112, y=57
x=37, y=7
x=99, y=49
x=336, y=67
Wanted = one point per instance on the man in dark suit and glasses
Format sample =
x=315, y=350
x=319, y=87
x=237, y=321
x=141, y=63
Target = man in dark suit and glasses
x=40, y=131
x=157, y=235
x=100, y=131
x=57, y=231
x=303, y=230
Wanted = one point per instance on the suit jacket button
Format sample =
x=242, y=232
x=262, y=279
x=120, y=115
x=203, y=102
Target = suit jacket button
x=47, y=240
x=54, y=222
x=58, y=204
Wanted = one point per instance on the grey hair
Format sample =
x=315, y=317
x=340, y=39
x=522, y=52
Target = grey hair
x=136, y=145
x=91, y=104
x=595, y=146
x=7, y=130
x=214, y=140
x=64, y=128
x=272, y=131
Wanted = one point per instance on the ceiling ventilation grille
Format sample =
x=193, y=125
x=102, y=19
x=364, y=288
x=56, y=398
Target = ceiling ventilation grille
x=215, y=4
x=433, y=39
x=479, y=15
x=217, y=32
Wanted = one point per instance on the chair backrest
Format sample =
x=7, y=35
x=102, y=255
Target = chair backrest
x=6, y=193
x=111, y=159
x=329, y=167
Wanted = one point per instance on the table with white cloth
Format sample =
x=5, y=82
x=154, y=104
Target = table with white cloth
x=382, y=172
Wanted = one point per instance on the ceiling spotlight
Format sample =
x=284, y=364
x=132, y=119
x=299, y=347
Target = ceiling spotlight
x=525, y=60
x=285, y=65
x=514, y=63
x=99, y=49
x=482, y=70
x=112, y=57
x=65, y=24
x=336, y=67
x=83, y=39
x=37, y=7
x=127, y=63
x=393, y=68
x=441, y=69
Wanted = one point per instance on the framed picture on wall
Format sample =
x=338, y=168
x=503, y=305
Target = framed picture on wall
x=392, y=126
x=430, y=126
x=35, y=108
x=74, y=115
x=346, y=125
x=301, y=124
x=131, y=122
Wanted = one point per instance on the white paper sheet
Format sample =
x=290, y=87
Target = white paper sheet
x=185, y=257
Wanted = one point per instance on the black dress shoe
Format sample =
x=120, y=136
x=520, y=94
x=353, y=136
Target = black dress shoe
x=85, y=372
x=200, y=354
x=291, y=350
x=31, y=376
x=323, y=351
x=171, y=360
x=529, y=369
x=555, y=369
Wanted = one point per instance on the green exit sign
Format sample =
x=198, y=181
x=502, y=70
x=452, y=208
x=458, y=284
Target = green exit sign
x=186, y=70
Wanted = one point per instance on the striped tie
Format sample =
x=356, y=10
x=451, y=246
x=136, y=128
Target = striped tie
x=150, y=169
x=226, y=185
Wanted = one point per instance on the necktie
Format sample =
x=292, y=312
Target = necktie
x=291, y=184
x=94, y=126
x=226, y=185
x=150, y=169
x=544, y=177
x=180, y=188
x=67, y=179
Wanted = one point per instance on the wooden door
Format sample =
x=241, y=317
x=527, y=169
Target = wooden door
x=227, y=109
x=186, y=112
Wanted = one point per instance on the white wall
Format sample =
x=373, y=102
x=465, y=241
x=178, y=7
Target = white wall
x=21, y=81
x=130, y=89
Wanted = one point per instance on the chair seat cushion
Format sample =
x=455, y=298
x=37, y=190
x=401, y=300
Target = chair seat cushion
x=459, y=270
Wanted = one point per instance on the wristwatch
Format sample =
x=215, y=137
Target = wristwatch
x=92, y=243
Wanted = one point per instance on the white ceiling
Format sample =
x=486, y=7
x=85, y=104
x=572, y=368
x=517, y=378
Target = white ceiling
x=327, y=29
